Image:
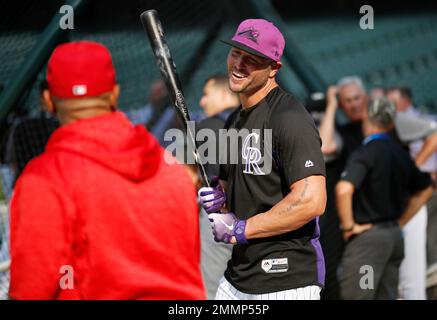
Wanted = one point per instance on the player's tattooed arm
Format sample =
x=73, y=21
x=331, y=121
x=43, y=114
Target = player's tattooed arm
x=306, y=200
x=298, y=201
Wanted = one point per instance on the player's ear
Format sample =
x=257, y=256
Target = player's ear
x=48, y=101
x=275, y=66
x=114, y=96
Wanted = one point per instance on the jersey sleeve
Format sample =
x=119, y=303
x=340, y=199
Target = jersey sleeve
x=357, y=167
x=296, y=142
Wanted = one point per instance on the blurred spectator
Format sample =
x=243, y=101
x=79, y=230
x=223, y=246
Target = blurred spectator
x=402, y=97
x=6, y=174
x=377, y=92
x=89, y=217
x=370, y=217
x=351, y=96
x=158, y=115
x=29, y=136
x=218, y=101
x=217, y=98
x=338, y=143
x=422, y=151
x=150, y=113
x=413, y=269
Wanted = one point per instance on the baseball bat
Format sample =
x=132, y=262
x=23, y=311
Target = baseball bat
x=165, y=62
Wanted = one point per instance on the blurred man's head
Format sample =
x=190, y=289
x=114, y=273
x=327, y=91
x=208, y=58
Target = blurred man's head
x=352, y=97
x=377, y=92
x=217, y=96
x=158, y=96
x=81, y=81
x=380, y=116
x=401, y=96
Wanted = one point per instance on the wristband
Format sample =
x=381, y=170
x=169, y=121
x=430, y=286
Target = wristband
x=239, y=231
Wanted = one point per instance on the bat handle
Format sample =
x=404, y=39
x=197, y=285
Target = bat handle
x=201, y=167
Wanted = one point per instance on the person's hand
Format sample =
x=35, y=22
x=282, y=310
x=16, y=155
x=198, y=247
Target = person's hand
x=227, y=228
x=213, y=198
x=331, y=97
x=356, y=230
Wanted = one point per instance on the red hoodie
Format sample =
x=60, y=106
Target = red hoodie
x=102, y=201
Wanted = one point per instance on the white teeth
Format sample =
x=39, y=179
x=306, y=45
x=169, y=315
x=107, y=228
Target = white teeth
x=238, y=75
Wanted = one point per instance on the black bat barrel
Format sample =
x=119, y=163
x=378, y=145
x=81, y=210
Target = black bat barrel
x=164, y=60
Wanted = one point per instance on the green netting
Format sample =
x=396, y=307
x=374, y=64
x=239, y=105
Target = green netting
x=401, y=49
x=395, y=49
x=186, y=25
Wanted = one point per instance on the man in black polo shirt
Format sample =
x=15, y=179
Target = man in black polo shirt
x=380, y=190
x=276, y=191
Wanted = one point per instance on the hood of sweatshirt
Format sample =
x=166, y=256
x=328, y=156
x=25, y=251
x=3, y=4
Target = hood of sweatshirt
x=112, y=141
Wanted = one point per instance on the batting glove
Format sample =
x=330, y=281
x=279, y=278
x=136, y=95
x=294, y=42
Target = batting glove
x=225, y=226
x=213, y=198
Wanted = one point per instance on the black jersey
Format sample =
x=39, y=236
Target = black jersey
x=282, y=147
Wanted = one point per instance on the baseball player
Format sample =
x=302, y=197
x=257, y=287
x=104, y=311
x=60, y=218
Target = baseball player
x=271, y=213
x=90, y=217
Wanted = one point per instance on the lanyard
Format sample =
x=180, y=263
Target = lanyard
x=376, y=136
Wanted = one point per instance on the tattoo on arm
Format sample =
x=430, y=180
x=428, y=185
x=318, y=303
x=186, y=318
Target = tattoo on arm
x=294, y=204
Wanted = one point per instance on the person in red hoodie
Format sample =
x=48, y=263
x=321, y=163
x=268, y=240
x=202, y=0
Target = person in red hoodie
x=91, y=217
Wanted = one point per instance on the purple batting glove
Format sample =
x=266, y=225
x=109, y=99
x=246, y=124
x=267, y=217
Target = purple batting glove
x=213, y=198
x=225, y=226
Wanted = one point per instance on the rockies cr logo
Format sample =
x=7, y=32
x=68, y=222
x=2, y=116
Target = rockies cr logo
x=250, y=34
x=252, y=156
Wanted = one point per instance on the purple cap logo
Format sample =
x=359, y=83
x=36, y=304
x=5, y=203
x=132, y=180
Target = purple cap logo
x=259, y=37
x=250, y=34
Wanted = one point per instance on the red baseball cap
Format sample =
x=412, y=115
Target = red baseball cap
x=80, y=69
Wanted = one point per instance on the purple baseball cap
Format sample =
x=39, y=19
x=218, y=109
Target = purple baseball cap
x=259, y=37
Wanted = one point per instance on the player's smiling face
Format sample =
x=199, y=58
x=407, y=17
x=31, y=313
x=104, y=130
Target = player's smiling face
x=247, y=72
